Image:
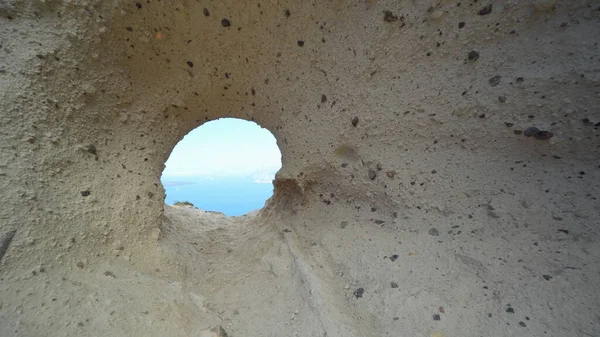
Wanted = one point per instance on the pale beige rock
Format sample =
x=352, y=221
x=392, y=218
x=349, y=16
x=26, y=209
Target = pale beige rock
x=95, y=95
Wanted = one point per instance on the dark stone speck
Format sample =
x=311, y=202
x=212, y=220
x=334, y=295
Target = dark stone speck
x=389, y=16
x=485, y=10
x=473, y=55
x=531, y=131
x=494, y=81
x=543, y=135
x=372, y=174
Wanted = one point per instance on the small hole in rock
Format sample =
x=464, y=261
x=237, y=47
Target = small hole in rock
x=227, y=165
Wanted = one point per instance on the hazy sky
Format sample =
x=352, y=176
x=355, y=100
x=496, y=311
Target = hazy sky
x=225, y=147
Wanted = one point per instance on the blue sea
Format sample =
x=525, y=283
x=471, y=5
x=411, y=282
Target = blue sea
x=232, y=196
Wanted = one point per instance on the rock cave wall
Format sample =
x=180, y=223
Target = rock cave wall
x=386, y=109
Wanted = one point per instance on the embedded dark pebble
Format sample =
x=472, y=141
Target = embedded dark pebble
x=501, y=99
x=494, y=81
x=138, y=5
x=434, y=232
x=522, y=324
x=323, y=98
x=85, y=193
x=394, y=284
x=520, y=79
x=485, y=10
x=92, y=149
x=510, y=310
x=473, y=55
x=287, y=13
x=509, y=125
x=394, y=257
x=531, y=131
x=287, y=230
x=190, y=64
x=564, y=231
x=358, y=293
x=461, y=25
x=517, y=132
x=129, y=29
x=547, y=277
x=372, y=174
x=355, y=121
x=300, y=43
x=225, y=23
x=436, y=317
x=343, y=224
x=389, y=16
x=543, y=135
x=108, y=273
x=205, y=12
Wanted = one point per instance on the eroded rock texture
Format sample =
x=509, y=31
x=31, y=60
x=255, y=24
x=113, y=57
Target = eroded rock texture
x=440, y=168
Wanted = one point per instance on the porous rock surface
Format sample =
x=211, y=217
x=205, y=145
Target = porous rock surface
x=410, y=201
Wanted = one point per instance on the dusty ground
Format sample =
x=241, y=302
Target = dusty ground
x=440, y=168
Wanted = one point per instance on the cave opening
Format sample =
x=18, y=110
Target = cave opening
x=227, y=165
